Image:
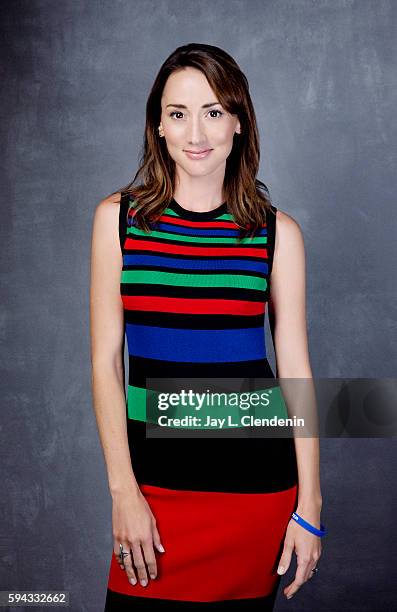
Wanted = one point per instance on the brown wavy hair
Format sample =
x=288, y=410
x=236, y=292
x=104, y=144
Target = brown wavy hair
x=248, y=199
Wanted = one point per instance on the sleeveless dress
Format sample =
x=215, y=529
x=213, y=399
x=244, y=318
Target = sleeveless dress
x=194, y=306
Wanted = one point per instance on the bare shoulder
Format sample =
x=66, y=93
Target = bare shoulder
x=106, y=220
x=288, y=231
x=107, y=211
x=108, y=208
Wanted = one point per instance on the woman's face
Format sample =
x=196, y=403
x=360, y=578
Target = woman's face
x=193, y=120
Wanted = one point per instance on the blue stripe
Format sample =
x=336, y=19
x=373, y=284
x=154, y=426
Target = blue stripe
x=176, y=229
x=196, y=264
x=196, y=345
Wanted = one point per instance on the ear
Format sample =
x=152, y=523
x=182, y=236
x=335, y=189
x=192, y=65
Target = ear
x=238, y=128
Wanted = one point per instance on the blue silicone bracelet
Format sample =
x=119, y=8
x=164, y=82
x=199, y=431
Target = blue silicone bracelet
x=318, y=532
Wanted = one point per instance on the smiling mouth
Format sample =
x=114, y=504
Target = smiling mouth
x=197, y=152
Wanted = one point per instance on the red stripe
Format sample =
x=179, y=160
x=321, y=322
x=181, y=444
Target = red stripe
x=187, y=223
x=192, y=306
x=151, y=245
x=217, y=545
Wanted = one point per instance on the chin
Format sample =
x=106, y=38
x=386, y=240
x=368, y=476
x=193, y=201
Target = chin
x=199, y=171
x=194, y=167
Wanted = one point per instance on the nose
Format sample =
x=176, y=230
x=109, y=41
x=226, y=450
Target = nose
x=196, y=133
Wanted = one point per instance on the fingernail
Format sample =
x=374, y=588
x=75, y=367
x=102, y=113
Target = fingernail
x=289, y=596
x=281, y=570
x=153, y=576
x=143, y=582
x=161, y=548
x=133, y=581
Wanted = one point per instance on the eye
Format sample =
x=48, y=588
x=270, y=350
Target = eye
x=216, y=111
x=175, y=112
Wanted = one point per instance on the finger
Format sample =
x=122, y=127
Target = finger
x=156, y=539
x=292, y=588
x=128, y=565
x=150, y=558
x=312, y=567
x=285, y=559
x=116, y=550
x=139, y=563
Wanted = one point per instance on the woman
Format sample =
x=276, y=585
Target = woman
x=199, y=522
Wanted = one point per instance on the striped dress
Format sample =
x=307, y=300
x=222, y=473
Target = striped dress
x=194, y=307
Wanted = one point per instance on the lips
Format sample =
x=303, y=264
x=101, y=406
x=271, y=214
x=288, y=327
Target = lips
x=198, y=154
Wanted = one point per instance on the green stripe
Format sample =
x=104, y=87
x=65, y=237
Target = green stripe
x=156, y=277
x=225, y=217
x=197, y=239
x=171, y=213
x=142, y=405
x=136, y=403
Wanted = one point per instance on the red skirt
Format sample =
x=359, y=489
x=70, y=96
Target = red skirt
x=221, y=551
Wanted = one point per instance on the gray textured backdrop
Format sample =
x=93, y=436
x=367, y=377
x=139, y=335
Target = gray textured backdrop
x=75, y=77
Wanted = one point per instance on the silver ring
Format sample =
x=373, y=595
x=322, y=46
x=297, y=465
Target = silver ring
x=122, y=553
x=315, y=569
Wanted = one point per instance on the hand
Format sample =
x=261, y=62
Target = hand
x=134, y=526
x=307, y=547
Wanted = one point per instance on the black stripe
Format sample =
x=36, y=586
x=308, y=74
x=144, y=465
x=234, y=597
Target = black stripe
x=119, y=602
x=124, y=202
x=240, y=465
x=142, y=367
x=196, y=321
x=271, y=240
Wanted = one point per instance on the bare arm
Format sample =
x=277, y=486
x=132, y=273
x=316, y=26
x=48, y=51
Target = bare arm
x=287, y=310
x=106, y=328
x=287, y=316
x=134, y=525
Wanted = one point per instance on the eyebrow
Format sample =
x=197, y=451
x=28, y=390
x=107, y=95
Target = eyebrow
x=183, y=106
